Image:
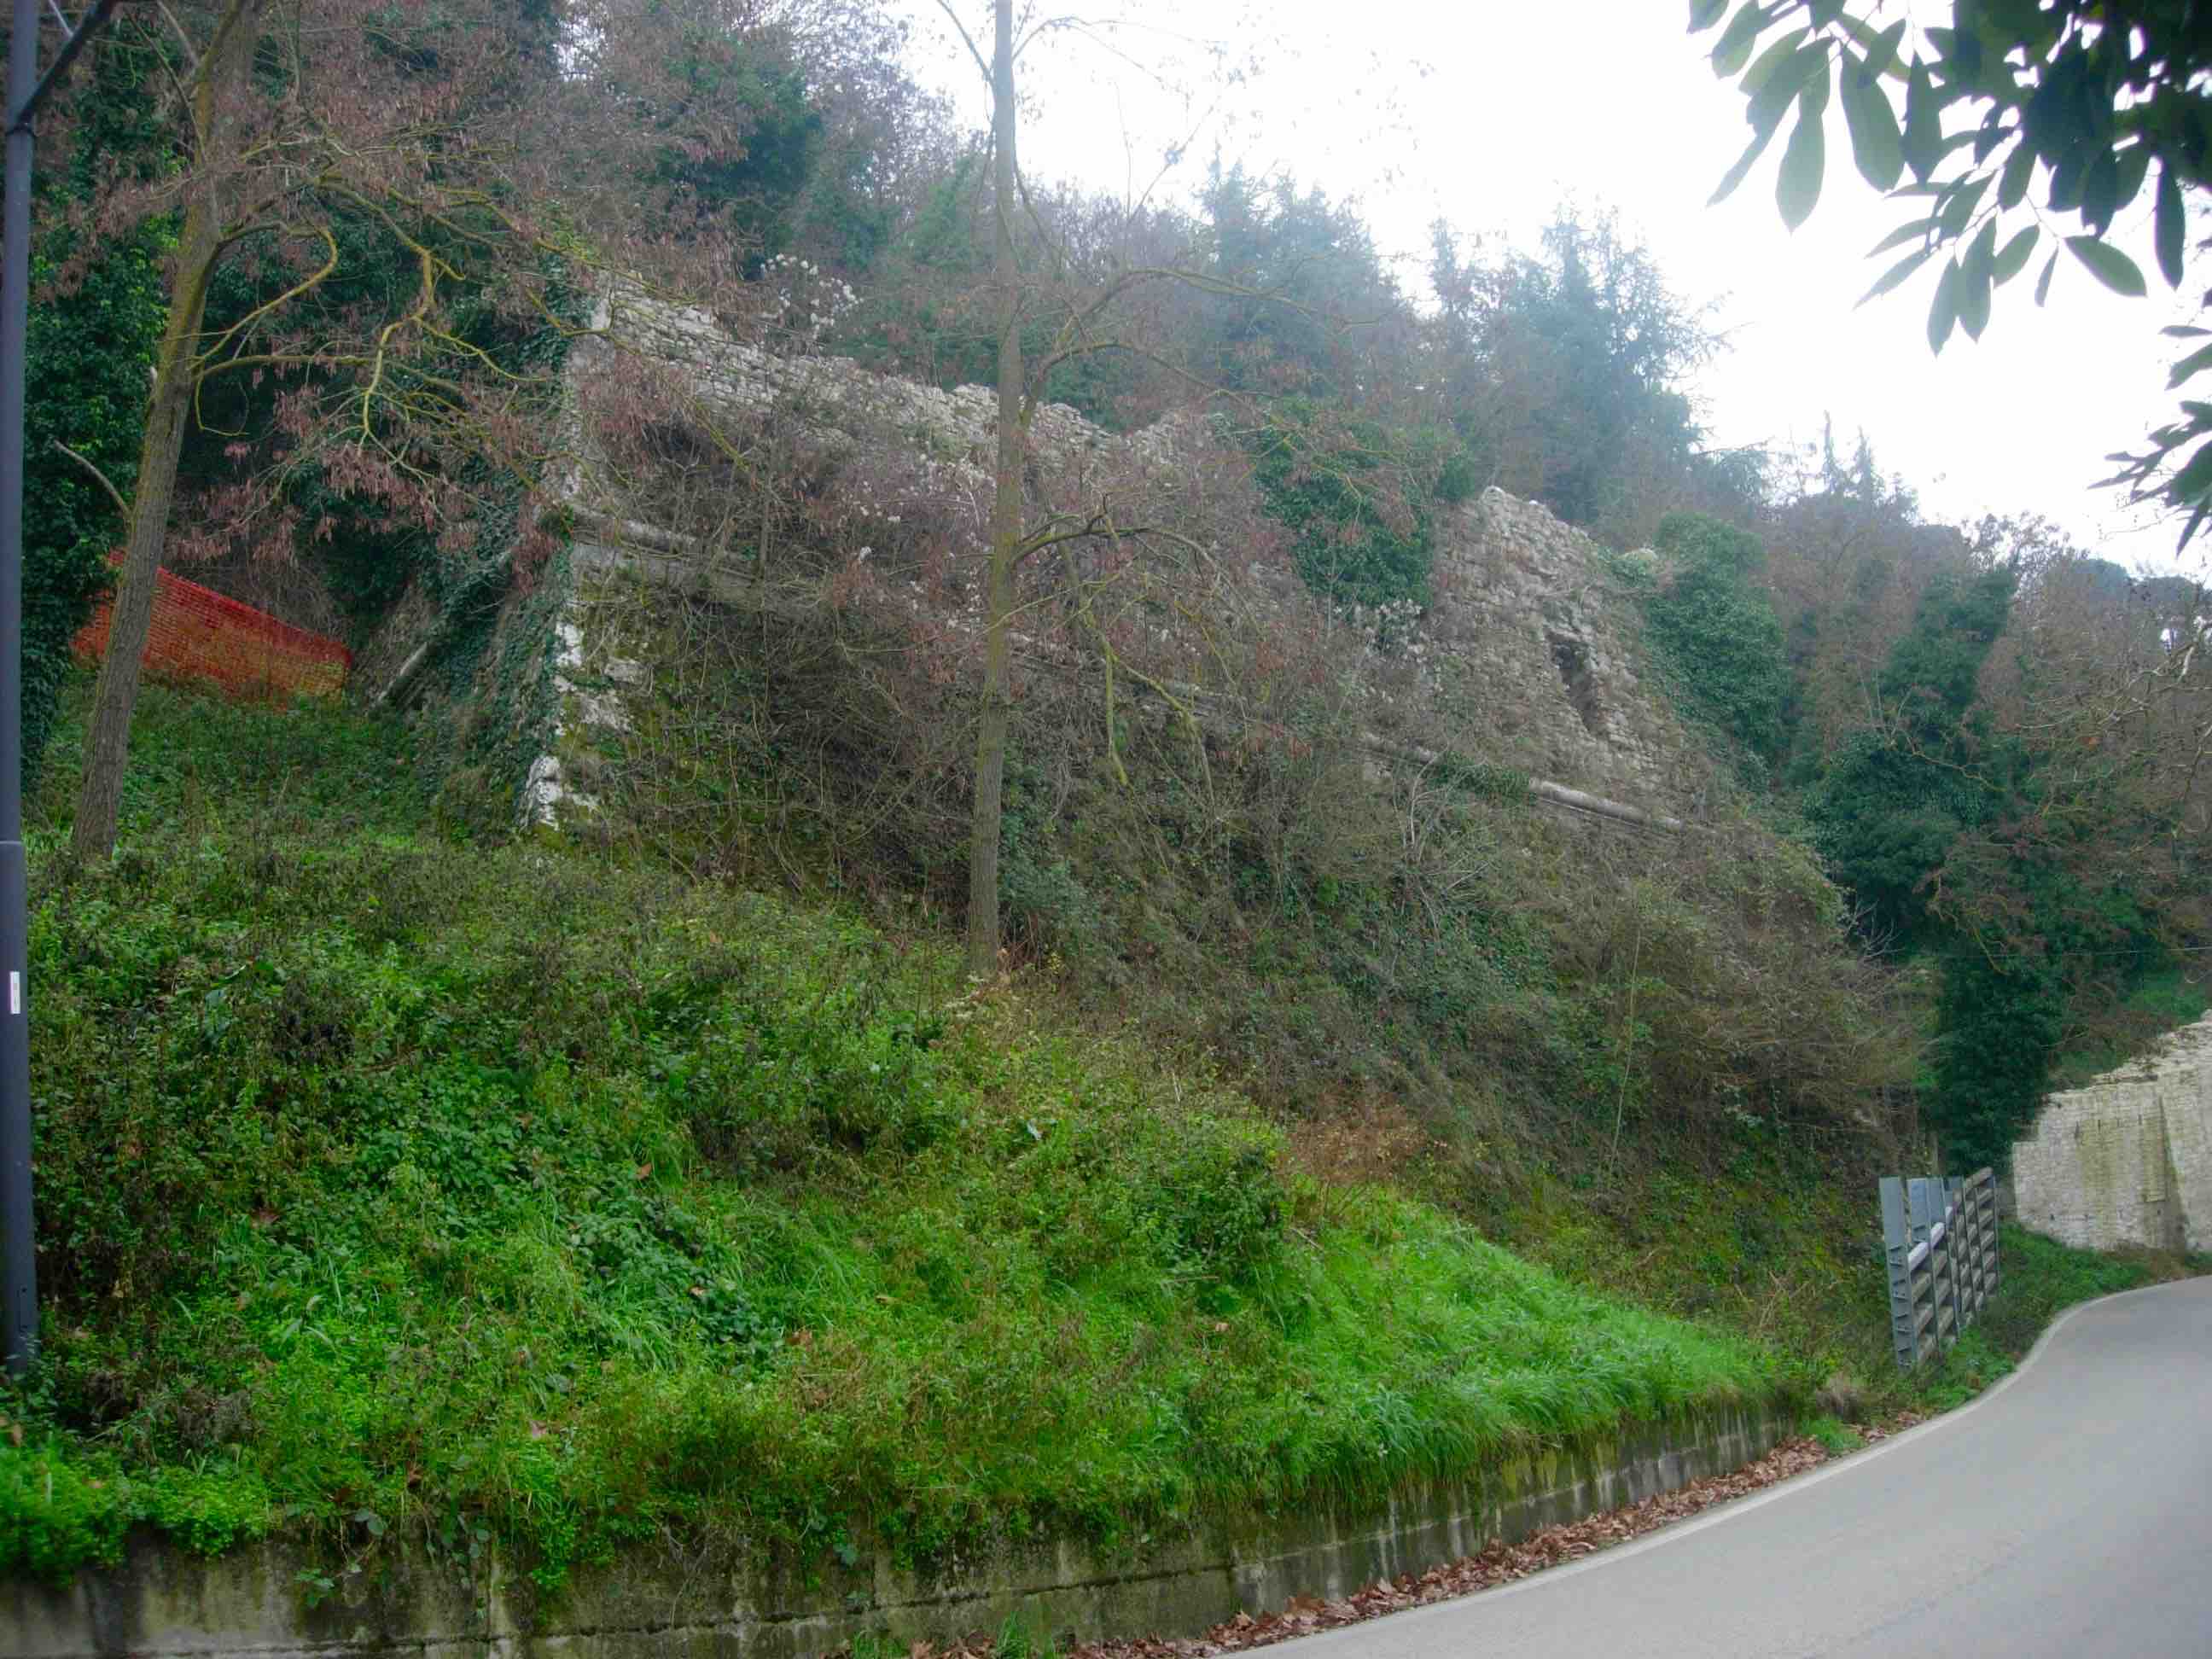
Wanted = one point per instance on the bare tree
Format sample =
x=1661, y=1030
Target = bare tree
x=1014, y=406
x=1087, y=308
x=215, y=93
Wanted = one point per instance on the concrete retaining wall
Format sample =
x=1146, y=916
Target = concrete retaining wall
x=2126, y=1158
x=163, y=1603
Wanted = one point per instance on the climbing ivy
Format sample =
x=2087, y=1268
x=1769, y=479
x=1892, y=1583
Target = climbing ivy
x=1895, y=800
x=1933, y=803
x=1717, y=636
x=90, y=344
x=490, y=671
x=1359, y=500
x=495, y=639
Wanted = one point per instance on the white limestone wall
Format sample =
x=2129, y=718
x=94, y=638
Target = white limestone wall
x=2126, y=1158
x=2189, y=1134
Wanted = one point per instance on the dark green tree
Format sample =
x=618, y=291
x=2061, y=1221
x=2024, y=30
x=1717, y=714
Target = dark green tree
x=93, y=326
x=1306, y=298
x=1566, y=371
x=747, y=188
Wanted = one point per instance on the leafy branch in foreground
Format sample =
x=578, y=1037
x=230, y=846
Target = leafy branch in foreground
x=2021, y=123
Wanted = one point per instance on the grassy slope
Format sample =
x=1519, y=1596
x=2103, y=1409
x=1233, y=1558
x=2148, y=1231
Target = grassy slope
x=1653, y=1065
x=391, y=1185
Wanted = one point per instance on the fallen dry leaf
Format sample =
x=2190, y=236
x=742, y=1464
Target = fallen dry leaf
x=1500, y=1563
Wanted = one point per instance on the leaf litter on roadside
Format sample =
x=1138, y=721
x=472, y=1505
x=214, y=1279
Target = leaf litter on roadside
x=1499, y=1563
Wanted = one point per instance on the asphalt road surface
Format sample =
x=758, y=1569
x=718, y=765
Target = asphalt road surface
x=2067, y=1513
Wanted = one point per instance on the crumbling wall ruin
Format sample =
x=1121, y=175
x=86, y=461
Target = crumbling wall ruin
x=1539, y=645
x=1529, y=657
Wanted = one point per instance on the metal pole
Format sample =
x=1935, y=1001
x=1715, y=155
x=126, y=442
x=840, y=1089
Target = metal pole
x=18, y=1241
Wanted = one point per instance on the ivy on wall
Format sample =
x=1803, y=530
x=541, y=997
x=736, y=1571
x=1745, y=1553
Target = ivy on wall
x=90, y=345
x=1359, y=501
x=496, y=645
x=1717, y=636
x=489, y=622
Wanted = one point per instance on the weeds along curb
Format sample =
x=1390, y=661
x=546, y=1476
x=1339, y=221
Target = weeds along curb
x=1599, y=1540
x=164, y=1603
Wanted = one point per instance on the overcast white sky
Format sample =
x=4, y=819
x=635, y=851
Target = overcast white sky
x=1488, y=112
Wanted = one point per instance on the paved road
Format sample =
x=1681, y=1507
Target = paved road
x=2068, y=1513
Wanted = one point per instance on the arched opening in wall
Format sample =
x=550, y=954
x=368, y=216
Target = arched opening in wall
x=1573, y=662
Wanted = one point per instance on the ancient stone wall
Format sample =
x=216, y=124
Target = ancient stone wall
x=1537, y=648
x=2127, y=1158
x=1528, y=658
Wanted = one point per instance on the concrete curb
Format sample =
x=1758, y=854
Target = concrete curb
x=163, y=1603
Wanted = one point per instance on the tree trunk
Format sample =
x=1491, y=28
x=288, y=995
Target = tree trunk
x=108, y=744
x=229, y=59
x=1005, y=526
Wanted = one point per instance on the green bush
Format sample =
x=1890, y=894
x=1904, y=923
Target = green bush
x=59, y=1508
x=1836, y=1437
x=1221, y=1202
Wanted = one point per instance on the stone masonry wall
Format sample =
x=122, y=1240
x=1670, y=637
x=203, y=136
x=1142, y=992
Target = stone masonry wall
x=2127, y=1158
x=1527, y=658
x=1539, y=644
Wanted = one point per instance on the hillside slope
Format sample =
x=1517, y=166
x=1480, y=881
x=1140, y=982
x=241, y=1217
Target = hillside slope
x=1253, y=817
x=1281, y=821
x=392, y=1186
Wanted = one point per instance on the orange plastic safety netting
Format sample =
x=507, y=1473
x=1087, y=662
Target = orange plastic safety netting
x=197, y=634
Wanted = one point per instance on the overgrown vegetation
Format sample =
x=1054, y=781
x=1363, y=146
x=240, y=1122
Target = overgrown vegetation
x=1360, y=505
x=1716, y=633
x=404, y=1178
x=397, y=1186
x=2155, y=1004
x=1246, y=883
x=91, y=340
